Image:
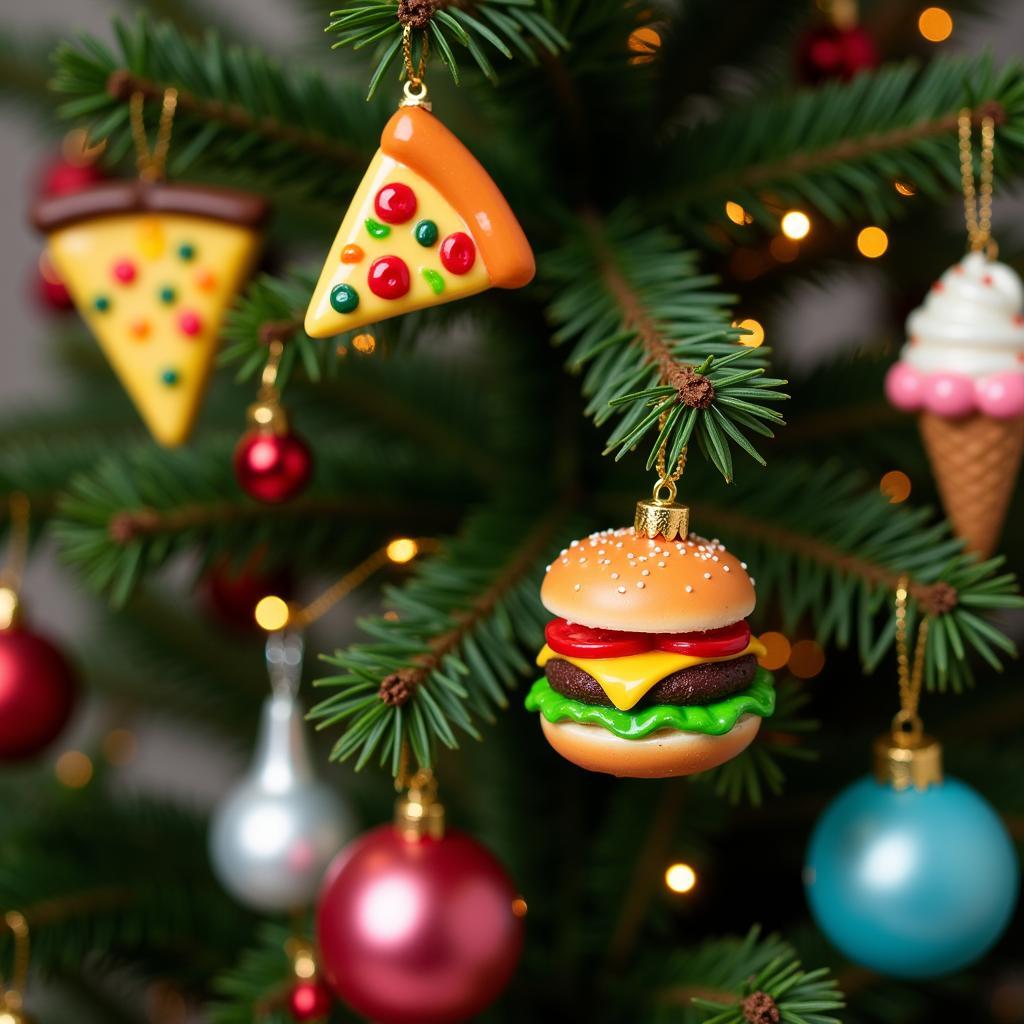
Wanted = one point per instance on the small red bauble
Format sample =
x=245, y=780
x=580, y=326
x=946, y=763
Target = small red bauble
x=310, y=1000
x=388, y=277
x=62, y=178
x=395, y=203
x=417, y=931
x=37, y=693
x=458, y=253
x=827, y=51
x=234, y=591
x=272, y=467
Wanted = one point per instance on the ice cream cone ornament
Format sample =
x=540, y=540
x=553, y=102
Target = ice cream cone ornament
x=962, y=368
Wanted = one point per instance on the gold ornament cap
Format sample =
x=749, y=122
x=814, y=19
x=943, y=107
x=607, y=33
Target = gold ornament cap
x=418, y=812
x=666, y=519
x=267, y=416
x=911, y=760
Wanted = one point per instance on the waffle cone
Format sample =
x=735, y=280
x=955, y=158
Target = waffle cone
x=975, y=461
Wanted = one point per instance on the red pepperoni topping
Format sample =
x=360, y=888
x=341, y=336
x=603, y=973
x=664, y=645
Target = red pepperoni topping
x=124, y=271
x=714, y=643
x=388, y=277
x=576, y=641
x=395, y=203
x=458, y=253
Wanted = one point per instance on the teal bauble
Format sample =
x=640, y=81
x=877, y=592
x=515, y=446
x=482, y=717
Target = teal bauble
x=912, y=883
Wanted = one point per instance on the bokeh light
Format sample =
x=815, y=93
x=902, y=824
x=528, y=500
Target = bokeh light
x=364, y=343
x=796, y=224
x=680, y=877
x=402, y=549
x=272, y=613
x=120, y=746
x=935, y=24
x=905, y=188
x=777, y=650
x=756, y=338
x=806, y=659
x=872, y=242
x=73, y=769
x=895, y=485
x=737, y=214
x=783, y=249
x=519, y=907
x=643, y=44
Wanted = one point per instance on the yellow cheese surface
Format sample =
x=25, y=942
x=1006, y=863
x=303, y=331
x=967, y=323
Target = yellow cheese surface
x=154, y=288
x=324, y=321
x=627, y=680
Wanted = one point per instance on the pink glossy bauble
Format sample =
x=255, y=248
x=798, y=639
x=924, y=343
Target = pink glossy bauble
x=1001, y=395
x=903, y=387
x=37, y=693
x=417, y=931
x=949, y=394
x=272, y=467
x=310, y=1000
x=827, y=51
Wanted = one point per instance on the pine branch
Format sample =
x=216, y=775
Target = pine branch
x=131, y=514
x=241, y=116
x=452, y=647
x=511, y=27
x=839, y=148
x=658, y=343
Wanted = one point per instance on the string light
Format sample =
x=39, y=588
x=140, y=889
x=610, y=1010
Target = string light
x=402, y=550
x=519, y=907
x=904, y=188
x=643, y=43
x=304, y=965
x=935, y=24
x=737, y=214
x=796, y=224
x=364, y=343
x=756, y=337
x=73, y=769
x=777, y=651
x=806, y=659
x=680, y=877
x=872, y=242
x=272, y=613
x=895, y=485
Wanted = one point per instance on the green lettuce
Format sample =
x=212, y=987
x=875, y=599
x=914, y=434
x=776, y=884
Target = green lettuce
x=714, y=719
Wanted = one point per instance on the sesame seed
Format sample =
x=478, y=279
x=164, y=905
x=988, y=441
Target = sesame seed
x=753, y=582
x=714, y=558
x=615, y=575
x=707, y=575
x=689, y=589
x=575, y=544
x=645, y=572
x=725, y=568
x=640, y=585
x=661, y=565
x=576, y=586
x=743, y=565
x=565, y=561
x=622, y=590
x=547, y=569
x=583, y=559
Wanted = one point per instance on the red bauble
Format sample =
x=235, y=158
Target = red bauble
x=272, y=467
x=234, y=591
x=37, y=693
x=310, y=1000
x=827, y=51
x=64, y=177
x=418, y=931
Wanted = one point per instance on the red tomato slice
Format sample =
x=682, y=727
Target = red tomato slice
x=578, y=641
x=714, y=643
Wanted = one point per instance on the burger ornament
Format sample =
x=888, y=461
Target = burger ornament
x=650, y=669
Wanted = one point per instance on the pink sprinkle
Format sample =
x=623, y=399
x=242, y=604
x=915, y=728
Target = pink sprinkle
x=987, y=279
x=124, y=271
x=189, y=322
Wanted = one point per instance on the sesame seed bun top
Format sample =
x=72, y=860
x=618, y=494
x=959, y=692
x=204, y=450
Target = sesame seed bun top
x=615, y=579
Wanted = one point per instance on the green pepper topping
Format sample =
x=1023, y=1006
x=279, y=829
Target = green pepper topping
x=375, y=228
x=426, y=233
x=434, y=279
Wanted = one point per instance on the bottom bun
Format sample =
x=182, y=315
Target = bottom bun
x=661, y=755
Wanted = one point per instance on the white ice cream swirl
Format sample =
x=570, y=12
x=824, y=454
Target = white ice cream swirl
x=970, y=323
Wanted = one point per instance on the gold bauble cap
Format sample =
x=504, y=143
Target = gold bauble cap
x=666, y=519
x=905, y=761
x=418, y=812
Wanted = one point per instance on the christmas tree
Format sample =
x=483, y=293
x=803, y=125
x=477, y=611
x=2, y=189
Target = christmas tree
x=409, y=470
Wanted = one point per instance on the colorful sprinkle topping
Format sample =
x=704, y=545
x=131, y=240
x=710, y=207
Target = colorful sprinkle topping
x=186, y=251
x=458, y=253
x=395, y=203
x=376, y=229
x=170, y=377
x=167, y=295
x=426, y=233
x=151, y=239
x=101, y=304
x=352, y=254
x=344, y=298
x=434, y=279
x=140, y=329
x=388, y=277
x=190, y=322
x=124, y=271
x=206, y=280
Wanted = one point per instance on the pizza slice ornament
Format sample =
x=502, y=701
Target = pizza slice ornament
x=427, y=225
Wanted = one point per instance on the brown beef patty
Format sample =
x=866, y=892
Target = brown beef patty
x=702, y=684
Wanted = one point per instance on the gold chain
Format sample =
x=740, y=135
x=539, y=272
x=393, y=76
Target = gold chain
x=415, y=74
x=17, y=552
x=667, y=481
x=268, y=381
x=978, y=200
x=12, y=997
x=910, y=674
x=151, y=163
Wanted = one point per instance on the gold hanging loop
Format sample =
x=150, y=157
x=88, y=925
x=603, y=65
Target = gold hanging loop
x=978, y=198
x=415, y=88
x=13, y=996
x=419, y=813
x=152, y=163
x=17, y=555
x=661, y=516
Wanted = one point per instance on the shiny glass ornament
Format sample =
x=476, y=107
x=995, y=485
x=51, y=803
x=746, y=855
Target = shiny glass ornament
x=275, y=833
x=912, y=883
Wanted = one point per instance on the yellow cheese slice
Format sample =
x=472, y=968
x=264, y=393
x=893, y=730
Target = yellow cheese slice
x=627, y=680
x=154, y=288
